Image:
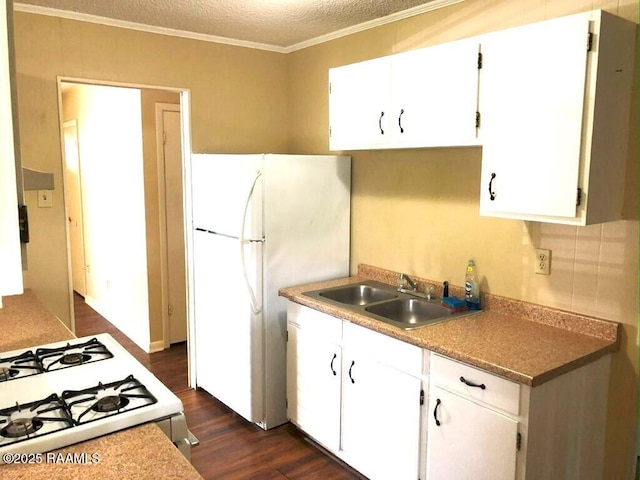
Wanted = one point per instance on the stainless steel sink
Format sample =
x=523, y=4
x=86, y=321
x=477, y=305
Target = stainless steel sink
x=384, y=303
x=410, y=311
x=358, y=294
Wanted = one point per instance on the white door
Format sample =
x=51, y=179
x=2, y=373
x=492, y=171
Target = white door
x=380, y=419
x=359, y=113
x=532, y=87
x=466, y=441
x=435, y=95
x=174, y=226
x=228, y=337
x=73, y=200
x=313, y=385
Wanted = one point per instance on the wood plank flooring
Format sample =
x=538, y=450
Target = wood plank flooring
x=230, y=447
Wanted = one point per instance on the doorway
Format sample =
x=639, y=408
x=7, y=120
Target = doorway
x=110, y=283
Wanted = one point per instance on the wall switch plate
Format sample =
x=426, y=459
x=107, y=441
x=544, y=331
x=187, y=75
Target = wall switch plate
x=543, y=261
x=45, y=199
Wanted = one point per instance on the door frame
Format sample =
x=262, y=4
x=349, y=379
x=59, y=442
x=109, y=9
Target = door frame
x=74, y=123
x=185, y=109
x=162, y=213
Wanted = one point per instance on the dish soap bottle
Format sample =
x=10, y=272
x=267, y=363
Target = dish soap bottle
x=471, y=287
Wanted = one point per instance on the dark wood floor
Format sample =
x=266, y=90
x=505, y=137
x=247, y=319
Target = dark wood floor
x=230, y=447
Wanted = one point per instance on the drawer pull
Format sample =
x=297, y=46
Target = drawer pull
x=471, y=384
x=335, y=355
x=350, y=368
x=435, y=412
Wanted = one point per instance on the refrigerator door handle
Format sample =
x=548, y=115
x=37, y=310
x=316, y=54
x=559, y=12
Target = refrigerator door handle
x=255, y=306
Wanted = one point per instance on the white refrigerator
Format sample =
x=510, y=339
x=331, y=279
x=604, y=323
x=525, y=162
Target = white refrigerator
x=261, y=222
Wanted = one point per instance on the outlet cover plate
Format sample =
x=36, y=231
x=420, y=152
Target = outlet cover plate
x=543, y=261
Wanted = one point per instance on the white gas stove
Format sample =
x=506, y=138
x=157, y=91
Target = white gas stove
x=63, y=393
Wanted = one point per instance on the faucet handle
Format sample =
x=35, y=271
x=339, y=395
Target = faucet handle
x=445, y=289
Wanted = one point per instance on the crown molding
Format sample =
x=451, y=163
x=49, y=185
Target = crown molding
x=83, y=17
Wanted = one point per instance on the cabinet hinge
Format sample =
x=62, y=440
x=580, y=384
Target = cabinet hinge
x=590, y=42
x=170, y=310
x=479, y=60
x=287, y=335
x=518, y=442
x=329, y=131
x=477, y=119
x=579, y=197
x=164, y=138
x=329, y=88
x=421, y=397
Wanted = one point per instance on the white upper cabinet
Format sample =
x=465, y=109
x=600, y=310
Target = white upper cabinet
x=10, y=259
x=421, y=98
x=548, y=102
x=554, y=103
x=434, y=96
x=359, y=106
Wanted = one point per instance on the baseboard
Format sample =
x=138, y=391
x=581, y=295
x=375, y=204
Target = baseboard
x=156, y=346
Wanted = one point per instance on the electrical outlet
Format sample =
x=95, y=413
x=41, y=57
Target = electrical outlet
x=543, y=261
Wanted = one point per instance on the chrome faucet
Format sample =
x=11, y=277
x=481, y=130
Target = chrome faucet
x=405, y=278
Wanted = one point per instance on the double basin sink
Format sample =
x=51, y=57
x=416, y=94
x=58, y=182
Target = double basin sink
x=383, y=302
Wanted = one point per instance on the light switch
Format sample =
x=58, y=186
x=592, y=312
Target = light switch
x=45, y=198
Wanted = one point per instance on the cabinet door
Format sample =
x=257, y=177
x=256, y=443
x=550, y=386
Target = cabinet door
x=435, y=95
x=469, y=441
x=532, y=85
x=380, y=419
x=313, y=386
x=10, y=260
x=359, y=105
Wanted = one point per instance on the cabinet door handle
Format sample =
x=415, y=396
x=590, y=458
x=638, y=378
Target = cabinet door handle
x=400, y=120
x=351, y=367
x=471, y=384
x=335, y=355
x=380, y=123
x=435, y=412
x=492, y=194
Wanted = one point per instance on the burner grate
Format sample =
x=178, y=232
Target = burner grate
x=71, y=355
x=19, y=366
x=26, y=421
x=104, y=400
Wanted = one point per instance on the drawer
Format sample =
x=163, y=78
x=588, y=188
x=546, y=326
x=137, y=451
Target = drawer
x=323, y=326
x=457, y=377
x=382, y=348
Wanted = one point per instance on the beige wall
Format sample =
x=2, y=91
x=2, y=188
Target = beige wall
x=413, y=210
x=416, y=211
x=239, y=104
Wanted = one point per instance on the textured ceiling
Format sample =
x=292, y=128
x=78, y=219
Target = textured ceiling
x=278, y=23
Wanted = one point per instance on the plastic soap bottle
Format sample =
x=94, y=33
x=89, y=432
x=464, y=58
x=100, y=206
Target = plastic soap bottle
x=472, y=287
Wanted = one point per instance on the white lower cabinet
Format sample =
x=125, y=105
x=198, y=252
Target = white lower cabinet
x=468, y=441
x=360, y=395
x=482, y=426
x=314, y=374
x=368, y=412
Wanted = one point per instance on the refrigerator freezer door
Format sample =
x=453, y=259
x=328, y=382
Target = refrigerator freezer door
x=228, y=335
x=221, y=185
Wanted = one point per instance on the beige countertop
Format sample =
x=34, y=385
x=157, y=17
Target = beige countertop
x=524, y=342
x=137, y=453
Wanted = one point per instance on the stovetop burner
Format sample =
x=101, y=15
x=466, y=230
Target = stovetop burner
x=21, y=427
x=29, y=420
x=19, y=366
x=74, y=358
x=104, y=400
x=71, y=355
x=110, y=403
